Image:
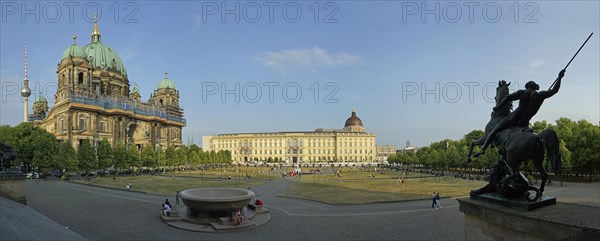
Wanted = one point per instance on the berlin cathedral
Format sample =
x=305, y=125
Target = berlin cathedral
x=94, y=101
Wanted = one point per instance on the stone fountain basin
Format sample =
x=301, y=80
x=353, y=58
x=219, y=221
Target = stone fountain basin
x=216, y=199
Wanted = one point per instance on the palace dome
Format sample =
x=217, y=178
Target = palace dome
x=353, y=121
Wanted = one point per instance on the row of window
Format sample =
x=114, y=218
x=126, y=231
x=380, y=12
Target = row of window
x=294, y=143
x=320, y=158
x=310, y=152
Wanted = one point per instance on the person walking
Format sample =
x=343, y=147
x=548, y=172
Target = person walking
x=433, y=199
x=437, y=201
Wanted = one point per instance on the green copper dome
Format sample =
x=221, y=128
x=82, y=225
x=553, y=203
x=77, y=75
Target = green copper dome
x=104, y=57
x=40, y=98
x=74, y=51
x=101, y=56
x=166, y=83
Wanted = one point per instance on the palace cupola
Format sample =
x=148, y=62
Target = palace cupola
x=354, y=124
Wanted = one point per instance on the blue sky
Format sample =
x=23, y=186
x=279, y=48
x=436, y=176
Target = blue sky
x=409, y=75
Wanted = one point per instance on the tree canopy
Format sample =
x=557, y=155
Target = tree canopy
x=579, y=148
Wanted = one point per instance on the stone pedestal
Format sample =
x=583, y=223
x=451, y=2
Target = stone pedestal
x=562, y=221
x=518, y=203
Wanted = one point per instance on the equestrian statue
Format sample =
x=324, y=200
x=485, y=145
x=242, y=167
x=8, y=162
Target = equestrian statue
x=509, y=131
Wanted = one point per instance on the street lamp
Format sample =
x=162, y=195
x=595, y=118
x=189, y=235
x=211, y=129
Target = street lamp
x=157, y=155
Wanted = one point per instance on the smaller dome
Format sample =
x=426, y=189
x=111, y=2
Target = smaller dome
x=166, y=83
x=40, y=98
x=74, y=51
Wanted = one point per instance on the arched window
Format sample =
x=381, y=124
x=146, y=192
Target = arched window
x=80, y=78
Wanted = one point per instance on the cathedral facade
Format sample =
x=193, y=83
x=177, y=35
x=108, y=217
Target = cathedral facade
x=94, y=100
x=351, y=144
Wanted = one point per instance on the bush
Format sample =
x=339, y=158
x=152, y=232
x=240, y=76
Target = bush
x=477, y=177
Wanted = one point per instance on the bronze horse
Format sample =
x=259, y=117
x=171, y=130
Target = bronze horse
x=517, y=145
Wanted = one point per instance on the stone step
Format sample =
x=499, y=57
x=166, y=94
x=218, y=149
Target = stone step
x=172, y=217
x=224, y=227
x=261, y=218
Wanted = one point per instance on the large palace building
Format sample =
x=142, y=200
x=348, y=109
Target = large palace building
x=350, y=144
x=94, y=101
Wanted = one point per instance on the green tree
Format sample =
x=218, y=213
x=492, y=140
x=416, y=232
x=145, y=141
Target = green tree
x=105, y=155
x=36, y=147
x=162, y=159
x=452, y=154
x=148, y=156
x=565, y=156
x=195, y=148
x=473, y=135
x=539, y=126
x=45, y=154
x=227, y=156
x=183, y=153
x=194, y=158
x=7, y=136
x=121, y=156
x=133, y=157
x=171, y=156
x=585, y=147
x=86, y=156
x=423, y=156
x=212, y=157
x=67, y=156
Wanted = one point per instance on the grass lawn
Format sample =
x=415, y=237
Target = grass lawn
x=165, y=185
x=353, y=187
x=363, y=191
x=238, y=174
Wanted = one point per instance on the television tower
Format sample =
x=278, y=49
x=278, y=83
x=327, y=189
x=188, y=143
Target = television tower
x=25, y=92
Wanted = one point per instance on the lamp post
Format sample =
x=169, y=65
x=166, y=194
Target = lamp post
x=157, y=146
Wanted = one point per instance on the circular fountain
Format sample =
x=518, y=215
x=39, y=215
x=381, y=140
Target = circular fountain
x=210, y=210
x=215, y=202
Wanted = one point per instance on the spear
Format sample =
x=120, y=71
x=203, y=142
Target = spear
x=588, y=38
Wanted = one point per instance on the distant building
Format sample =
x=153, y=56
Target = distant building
x=385, y=151
x=93, y=101
x=350, y=144
x=409, y=148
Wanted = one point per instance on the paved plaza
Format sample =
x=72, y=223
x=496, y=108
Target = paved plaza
x=106, y=214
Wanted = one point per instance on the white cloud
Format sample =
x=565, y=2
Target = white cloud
x=307, y=59
x=534, y=66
